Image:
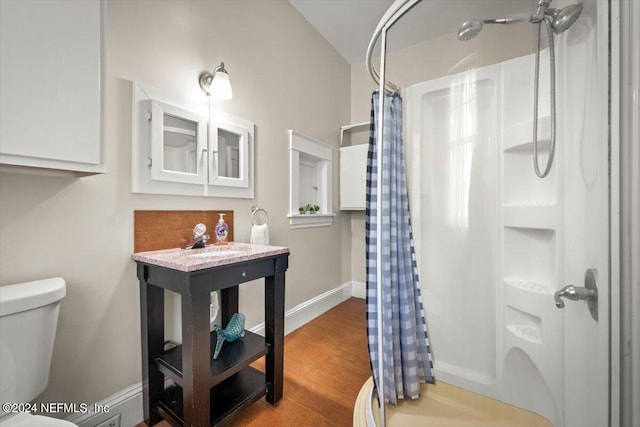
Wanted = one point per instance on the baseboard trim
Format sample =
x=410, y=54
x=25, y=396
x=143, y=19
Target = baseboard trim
x=359, y=290
x=310, y=309
x=128, y=402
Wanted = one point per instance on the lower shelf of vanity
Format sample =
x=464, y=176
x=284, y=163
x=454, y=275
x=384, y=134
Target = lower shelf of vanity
x=225, y=400
x=232, y=358
x=233, y=384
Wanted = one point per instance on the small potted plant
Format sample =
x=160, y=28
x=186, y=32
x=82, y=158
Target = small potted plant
x=316, y=208
x=302, y=210
x=310, y=209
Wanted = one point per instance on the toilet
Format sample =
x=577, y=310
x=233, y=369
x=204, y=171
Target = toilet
x=28, y=320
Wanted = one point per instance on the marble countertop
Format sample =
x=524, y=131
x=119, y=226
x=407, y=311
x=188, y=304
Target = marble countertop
x=211, y=256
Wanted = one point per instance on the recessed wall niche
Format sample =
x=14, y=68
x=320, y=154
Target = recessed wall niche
x=311, y=165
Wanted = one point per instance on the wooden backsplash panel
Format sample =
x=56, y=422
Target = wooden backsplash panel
x=154, y=230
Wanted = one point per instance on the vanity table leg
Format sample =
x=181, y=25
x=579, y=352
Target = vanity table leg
x=196, y=355
x=228, y=304
x=274, y=335
x=152, y=337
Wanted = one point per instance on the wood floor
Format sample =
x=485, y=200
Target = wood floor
x=325, y=365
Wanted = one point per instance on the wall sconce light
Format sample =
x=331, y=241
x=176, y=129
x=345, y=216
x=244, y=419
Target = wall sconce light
x=216, y=83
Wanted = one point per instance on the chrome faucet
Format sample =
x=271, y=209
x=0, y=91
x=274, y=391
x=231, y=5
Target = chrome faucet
x=199, y=238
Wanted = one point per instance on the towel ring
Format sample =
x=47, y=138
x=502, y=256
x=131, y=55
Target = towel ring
x=255, y=210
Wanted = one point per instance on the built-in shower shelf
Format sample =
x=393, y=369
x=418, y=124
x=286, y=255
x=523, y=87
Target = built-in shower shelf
x=530, y=299
x=527, y=333
x=527, y=147
x=519, y=137
x=537, y=216
x=528, y=285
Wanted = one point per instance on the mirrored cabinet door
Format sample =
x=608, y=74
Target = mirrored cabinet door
x=231, y=142
x=229, y=154
x=179, y=145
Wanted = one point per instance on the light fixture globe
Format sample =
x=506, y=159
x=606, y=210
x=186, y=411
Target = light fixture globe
x=221, y=86
x=217, y=83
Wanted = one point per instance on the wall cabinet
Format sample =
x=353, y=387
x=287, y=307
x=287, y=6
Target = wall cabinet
x=186, y=149
x=50, y=59
x=353, y=167
x=353, y=177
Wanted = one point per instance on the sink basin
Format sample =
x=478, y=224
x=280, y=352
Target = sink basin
x=213, y=253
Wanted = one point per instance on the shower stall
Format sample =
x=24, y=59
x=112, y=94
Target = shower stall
x=500, y=240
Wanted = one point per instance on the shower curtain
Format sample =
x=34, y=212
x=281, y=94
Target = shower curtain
x=406, y=354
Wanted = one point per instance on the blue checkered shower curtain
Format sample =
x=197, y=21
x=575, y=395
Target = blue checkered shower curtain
x=406, y=354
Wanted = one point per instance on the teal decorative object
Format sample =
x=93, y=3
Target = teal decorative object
x=233, y=331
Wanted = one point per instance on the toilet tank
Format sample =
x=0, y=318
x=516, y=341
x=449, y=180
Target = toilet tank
x=28, y=321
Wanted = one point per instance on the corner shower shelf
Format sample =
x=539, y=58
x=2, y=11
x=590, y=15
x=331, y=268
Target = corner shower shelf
x=526, y=148
x=536, y=216
x=518, y=137
x=527, y=301
x=528, y=285
x=527, y=333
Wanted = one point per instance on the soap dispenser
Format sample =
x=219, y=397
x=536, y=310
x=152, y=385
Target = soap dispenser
x=222, y=230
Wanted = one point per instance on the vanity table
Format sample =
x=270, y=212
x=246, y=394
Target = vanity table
x=206, y=391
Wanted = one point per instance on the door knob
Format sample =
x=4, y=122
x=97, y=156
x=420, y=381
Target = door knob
x=588, y=293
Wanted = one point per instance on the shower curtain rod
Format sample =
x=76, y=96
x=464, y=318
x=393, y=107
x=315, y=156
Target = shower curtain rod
x=395, y=12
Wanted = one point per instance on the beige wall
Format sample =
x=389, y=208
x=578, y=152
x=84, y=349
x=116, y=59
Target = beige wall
x=434, y=58
x=284, y=76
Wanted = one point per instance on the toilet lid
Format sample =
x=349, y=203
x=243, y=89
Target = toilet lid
x=28, y=420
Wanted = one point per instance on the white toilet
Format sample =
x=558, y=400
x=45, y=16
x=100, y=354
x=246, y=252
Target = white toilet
x=28, y=320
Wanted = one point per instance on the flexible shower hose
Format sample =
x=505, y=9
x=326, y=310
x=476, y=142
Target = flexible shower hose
x=552, y=100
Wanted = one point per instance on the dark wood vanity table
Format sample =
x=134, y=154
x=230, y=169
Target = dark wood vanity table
x=206, y=391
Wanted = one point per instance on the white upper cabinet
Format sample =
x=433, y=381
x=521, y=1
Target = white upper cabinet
x=353, y=177
x=353, y=166
x=182, y=147
x=50, y=55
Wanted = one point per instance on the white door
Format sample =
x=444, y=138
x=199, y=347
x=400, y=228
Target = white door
x=583, y=123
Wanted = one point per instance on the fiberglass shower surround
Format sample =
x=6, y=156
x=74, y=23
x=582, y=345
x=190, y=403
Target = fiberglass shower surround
x=554, y=21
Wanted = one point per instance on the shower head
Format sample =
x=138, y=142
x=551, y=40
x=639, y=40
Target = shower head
x=563, y=19
x=469, y=29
